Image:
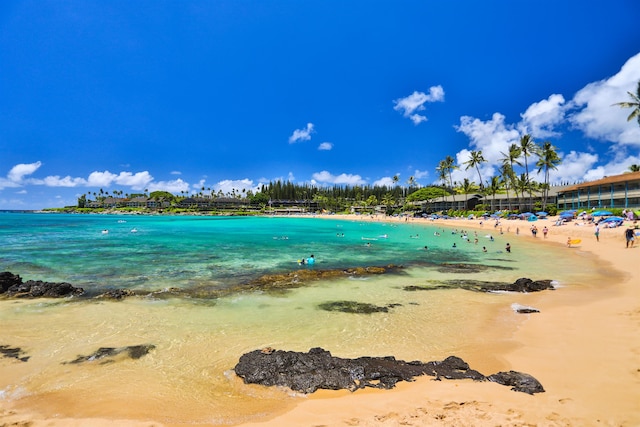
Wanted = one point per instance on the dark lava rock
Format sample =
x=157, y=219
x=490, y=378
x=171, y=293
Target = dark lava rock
x=108, y=354
x=13, y=353
x=518, y=381
x=318, y=369
x=355, y=307
x=7, y=280
x=523, y=285
x=117, y=294
x=38, y=289
x=520, y=285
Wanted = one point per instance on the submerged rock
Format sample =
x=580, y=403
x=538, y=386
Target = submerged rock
x=520, y=285
x=298, y=278
x=355, y=307
x=318, y=369
x=468, y=268
x=109, y=354
x=13, y=353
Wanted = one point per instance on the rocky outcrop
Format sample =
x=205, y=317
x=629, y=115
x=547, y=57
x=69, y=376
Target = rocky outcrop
x=110, y=354
x=318, y=369
x=518, y=381
x=12, y=286
x=520, y=285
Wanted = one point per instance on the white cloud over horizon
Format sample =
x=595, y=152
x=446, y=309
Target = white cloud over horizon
x=342, y=179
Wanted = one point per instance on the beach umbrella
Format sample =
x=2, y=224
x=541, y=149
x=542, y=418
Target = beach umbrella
x=542, y=213
x=613, y=219
x=601, y=213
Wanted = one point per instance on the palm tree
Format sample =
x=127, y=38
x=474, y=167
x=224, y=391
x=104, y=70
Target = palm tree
x=528, y=147
x=634, y=168
x=466, y=186
x=387, y=201
x=548, y=160
x=445, y=167
x=493, y=187
x=634, y=104
x=508, y=173
x=475, y=160
x=411, y=182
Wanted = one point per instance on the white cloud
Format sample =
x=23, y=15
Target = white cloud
x=325, y=146
x=301, y=134
x=137, y=181
x=19, y=171
x=347, y=179
x=173, y=186
x=227, y=186
x=492, y=137
x=386, y=181
x=595, y=113
x=541, y=117
x=100, y=179
x=418, y=174
x=67, y=181
x=574, y=167
x=176, y=173
x=415, y=102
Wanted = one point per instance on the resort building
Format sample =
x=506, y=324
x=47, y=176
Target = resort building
x=619, y=191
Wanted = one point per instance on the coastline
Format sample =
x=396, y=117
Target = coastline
x=583, y=347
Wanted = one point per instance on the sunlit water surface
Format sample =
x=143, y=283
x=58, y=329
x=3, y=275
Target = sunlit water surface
x=188, y=378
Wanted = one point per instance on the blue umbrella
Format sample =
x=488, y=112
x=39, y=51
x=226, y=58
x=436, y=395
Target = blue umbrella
x=542, y=214
x=601, y=213
x=613, y=219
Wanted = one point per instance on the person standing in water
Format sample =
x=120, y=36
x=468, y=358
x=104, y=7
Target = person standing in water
x=508, y=247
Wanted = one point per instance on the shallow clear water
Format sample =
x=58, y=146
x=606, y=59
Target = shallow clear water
x=188, y=378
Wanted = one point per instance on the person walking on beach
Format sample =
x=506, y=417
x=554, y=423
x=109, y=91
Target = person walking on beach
x=629, y=235
x=545, y=230
x=597, y=233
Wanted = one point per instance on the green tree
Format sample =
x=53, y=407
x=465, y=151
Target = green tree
x=634, y=104
x=508, y=173
x=549, y=160
x=475, y=160
x=634, y=168
x=528, y=148
x=388, y=202
x=445, y=168
x=493, y=187
x=427, y=193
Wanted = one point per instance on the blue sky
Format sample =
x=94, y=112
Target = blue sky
x=177, y=95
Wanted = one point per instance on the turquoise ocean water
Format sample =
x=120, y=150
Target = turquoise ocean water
x=188, y=378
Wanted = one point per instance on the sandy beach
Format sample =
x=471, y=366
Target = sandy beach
x=583, y=346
